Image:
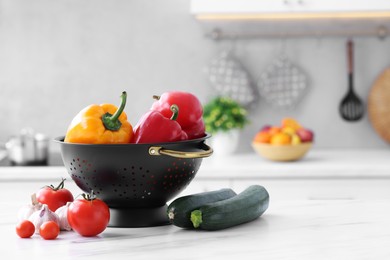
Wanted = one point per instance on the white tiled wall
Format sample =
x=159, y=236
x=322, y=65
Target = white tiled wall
x=56, y=57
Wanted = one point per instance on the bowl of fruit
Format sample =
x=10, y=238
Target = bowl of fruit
x=289, y=141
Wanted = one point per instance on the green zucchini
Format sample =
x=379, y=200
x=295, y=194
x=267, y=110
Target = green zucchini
x=246, y=206
x=179, y=210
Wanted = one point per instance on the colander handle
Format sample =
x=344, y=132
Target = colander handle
x=158, y=150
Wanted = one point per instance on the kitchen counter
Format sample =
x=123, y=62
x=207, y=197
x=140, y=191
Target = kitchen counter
x=343, y=229
x=317, y=164
x=294, y=226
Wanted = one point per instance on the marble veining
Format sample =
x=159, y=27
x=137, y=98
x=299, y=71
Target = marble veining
x=302, y=229
x=290, y=229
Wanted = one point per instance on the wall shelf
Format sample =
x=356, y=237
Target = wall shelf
x=226, y=19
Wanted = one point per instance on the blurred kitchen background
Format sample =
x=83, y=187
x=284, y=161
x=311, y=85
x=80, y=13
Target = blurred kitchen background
x=56, y=57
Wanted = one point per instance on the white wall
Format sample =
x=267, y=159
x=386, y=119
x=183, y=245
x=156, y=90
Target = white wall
x=56, y=57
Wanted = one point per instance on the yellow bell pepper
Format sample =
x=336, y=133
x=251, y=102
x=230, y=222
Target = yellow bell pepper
x=101, y=124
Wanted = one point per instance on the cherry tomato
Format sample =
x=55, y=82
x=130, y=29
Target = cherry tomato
x=88, y=216
x=49, y=230
x=25, y=229
x=54, y=197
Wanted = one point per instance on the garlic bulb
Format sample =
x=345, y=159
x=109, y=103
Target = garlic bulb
x=62, y=213
x=43, y=215
x=27, y=210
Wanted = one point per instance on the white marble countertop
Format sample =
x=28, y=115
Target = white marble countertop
x=341, y=229
x=289, y=229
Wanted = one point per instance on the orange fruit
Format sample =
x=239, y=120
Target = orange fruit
x=291, y=122
x=262, y=137
x=274, y=130
x=288, y=130
x=281, y=139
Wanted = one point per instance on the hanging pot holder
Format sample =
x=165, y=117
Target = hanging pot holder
x=229, y=78
x=283, y=84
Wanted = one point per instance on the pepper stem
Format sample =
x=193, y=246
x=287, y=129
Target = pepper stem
x=156, y=97
x=111, y=122
x=175, y=111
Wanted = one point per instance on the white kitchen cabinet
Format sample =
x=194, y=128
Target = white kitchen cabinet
x=252, y=7
x=292, y=18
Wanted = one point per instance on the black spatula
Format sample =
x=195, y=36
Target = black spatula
x=351, y=107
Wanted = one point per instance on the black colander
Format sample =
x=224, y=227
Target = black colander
x=135, y=180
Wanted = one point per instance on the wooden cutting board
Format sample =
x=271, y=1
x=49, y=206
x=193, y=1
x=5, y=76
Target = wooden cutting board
x=379, y=105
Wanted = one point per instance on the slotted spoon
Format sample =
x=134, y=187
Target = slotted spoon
x=351, y=106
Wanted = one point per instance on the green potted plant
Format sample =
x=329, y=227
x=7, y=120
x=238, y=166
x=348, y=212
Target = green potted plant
x=224, y=118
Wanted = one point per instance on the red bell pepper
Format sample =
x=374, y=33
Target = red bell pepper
x=154, y=127
x=191, y=111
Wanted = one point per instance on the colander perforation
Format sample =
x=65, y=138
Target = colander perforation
x=135, y=184
x=130, y=183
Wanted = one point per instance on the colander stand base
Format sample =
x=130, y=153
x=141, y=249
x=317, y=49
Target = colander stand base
x=138, y=217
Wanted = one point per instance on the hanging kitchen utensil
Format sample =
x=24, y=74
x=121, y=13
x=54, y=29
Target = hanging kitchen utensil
x=351, y=107
x=283, y=84
x=229, y=77
x=379, y=105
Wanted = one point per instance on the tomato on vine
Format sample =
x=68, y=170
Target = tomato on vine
x=88, y=216
x=54, y=197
